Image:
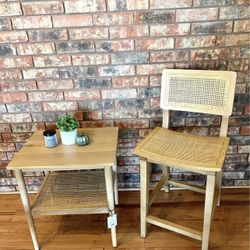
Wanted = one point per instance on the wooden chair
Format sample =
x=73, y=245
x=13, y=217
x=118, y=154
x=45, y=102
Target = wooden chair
x=193, y=91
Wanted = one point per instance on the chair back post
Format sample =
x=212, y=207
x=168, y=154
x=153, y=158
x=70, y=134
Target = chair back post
x=166, y=119
x=224, y=126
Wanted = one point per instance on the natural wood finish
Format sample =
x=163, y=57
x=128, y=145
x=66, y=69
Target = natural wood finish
x=166, y=172
x=144, y=196
x=230, y=228
x=100, y=152
x=187, y=186
x=26, y=206
x=210, y=188
x=165, y=119
x=174, y=227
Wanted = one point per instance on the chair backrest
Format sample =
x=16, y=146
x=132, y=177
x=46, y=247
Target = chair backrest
x=201, y=91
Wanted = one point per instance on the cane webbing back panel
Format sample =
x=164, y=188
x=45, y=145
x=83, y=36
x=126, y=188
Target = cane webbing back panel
x=198, y=91
x=172, y=148
x=71, y=190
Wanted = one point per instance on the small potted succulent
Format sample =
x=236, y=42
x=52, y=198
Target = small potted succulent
x=68, y=129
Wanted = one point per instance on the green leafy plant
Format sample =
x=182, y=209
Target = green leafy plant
x=67, y=123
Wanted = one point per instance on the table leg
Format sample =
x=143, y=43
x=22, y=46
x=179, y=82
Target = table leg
x=110, y=196
x=26, y=205
x=116, y=185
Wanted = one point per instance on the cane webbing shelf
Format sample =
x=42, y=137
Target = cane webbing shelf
x=72, y=193
x=172, y=148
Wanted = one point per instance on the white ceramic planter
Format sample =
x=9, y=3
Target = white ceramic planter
x=68, y=138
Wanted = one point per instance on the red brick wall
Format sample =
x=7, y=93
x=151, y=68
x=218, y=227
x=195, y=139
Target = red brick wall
x=102, y=61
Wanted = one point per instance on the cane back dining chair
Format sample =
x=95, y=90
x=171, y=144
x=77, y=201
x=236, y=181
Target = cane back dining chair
x=200, y=91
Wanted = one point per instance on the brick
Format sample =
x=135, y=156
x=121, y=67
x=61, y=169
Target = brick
x=16, y=137
x=40, y=73
x=120, y=114
x=31, y=22
x=210, y=54
x=16, y=62
x=145, y=69
x=82, y=95
x=96, y=124
x=170, y=29
x=242, y=183
x=245, y=130
x=7, y=189
x=7, y=50
x=118, y=5
x=60, y=106
x=109, y=46
x=129, y=31
x=29, y=127
x=13, y=97
x=6, y=147
x=5, y=24
x=155, y=44
x=234, y=12
x=10, y=75
x=92, y=83
x=7, y=86
x=92, y=115
x=242, y=26
x=195, y=42
x=233, y=40
x=39, y=7
x=10, y=9
x=109, y=19
x=96, y=105
x=45, y=96
x=149, y=92
x=47, y=35
x=72, y=20
x=129, y=104
x=78, y=6
x=236, y=158
x=74, y=47
x=90, y=59
x=169, y=56
x=211, y=28
x=212, y=2
x=13, y=37
x=155, y=80
x=119, y=93
x=240, y=88
x=247, y=109
x=5, y=128
x=201, y=14
x=116, y=70
x=162, y=4
x=244, y=149
x=35, y=48
x=128, y=82
x=157, y=16
x=77, y=72
x=2, y=109
x=244, y=52
x=24, y=107
x=55, y=84
x=130, y=57
x=47, y=116
x=52, y=61
x=197, y=121
x=239, y=65
x=140, y=123
x=3, y=157
x=149, y=113
x=15, y=118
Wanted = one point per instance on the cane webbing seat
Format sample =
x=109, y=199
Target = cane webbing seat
x=171, y=148
x=70, y=192
x=199, y=91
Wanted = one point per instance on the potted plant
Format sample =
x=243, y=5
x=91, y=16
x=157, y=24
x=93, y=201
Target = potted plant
x=68, y=129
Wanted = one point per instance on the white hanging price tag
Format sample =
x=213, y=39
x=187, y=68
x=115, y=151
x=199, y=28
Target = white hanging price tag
x=112, y=221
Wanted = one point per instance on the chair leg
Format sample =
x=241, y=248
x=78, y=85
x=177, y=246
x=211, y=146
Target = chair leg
x=165, y=171
x=144, y=194
x=218, y=185
x=210, y=189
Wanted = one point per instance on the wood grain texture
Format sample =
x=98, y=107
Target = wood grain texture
x=230, y=228
x=99, y=153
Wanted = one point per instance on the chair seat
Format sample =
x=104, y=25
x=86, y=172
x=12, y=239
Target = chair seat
x=167, y=147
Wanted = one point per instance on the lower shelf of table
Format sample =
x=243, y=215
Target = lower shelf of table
x=72, y=193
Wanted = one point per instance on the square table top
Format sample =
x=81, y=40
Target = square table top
x=101, y=152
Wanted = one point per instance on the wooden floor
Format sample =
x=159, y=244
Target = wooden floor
x=230, y=228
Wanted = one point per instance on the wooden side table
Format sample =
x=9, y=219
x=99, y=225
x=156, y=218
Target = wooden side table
x=64, y=192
